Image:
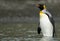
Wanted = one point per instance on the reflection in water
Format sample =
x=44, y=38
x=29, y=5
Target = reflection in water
x=28, y=39
x=47, y=39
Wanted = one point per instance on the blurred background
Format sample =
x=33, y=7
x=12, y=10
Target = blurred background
x=19, y=19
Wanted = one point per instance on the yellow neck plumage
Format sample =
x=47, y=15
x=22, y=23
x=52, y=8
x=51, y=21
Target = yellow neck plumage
x=41, y=13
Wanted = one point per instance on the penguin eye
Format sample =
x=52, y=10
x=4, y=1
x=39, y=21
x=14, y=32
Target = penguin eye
x=41, y=7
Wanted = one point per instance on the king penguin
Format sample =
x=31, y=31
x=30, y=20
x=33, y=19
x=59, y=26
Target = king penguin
x=46, y=23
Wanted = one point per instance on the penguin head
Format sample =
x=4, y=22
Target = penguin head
x=41, y=6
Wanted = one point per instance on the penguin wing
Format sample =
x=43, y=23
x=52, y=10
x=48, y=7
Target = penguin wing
x=39, y=29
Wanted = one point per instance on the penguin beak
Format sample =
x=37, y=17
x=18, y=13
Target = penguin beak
x=37, y=5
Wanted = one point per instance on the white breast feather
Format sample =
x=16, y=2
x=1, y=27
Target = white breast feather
x=46, y=26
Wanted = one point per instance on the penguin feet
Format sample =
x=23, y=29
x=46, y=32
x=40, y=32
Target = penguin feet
x=39, y=30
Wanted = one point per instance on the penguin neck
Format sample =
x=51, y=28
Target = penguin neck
x=42, y=11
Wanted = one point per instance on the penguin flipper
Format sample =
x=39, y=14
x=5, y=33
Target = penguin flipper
x=39, y=30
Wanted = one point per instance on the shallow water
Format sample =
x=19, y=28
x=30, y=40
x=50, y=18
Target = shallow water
x=29, y=39
x=25, y=32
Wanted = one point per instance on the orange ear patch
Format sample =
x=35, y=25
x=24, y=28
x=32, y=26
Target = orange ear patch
x=44, y=7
